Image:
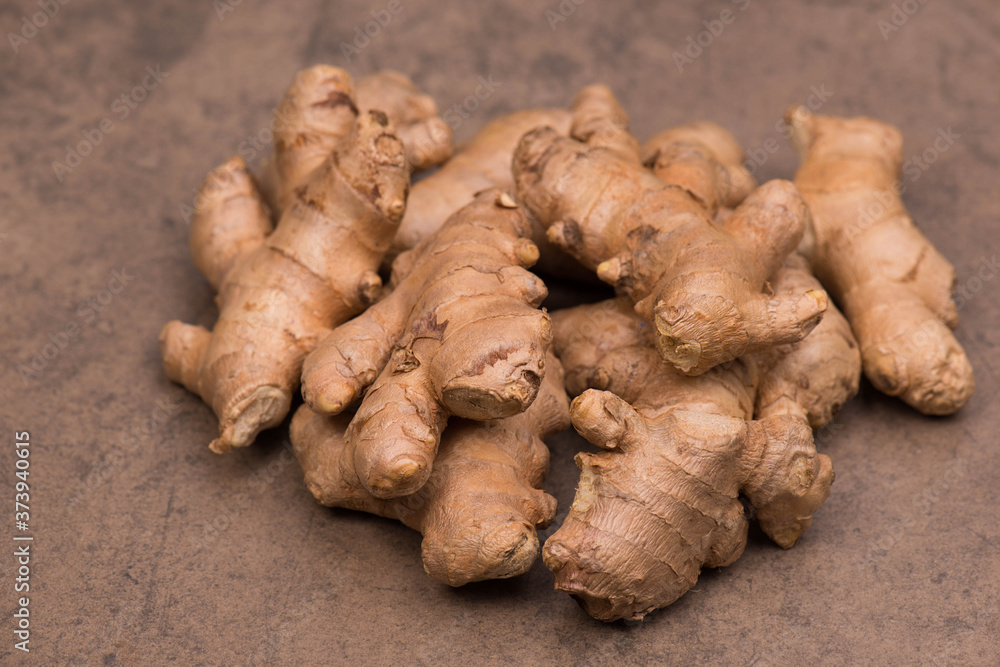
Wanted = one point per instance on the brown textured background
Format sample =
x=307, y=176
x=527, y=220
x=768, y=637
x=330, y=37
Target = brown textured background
x=150, y=549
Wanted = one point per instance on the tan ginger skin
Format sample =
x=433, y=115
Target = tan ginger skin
x=482, y=505
x=317, y=114
x=705, y=160
x=460, y=334
x=484, y=162
x=893, y=285
x=815, y=376
x=664, y=500
x=481, y=163
x=280, y=293
x=426, y=136
x=699, y=284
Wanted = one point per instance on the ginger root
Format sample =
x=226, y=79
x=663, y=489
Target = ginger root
x=317, y=114
x=893, y=285
x=814, y=377
x=700, y=285
x=704, y=159
x=482, y=505
x=481, y=163
x=664, y=500
x=460, y=334
x=702, y=382
x=425, y=135
x=280, y=292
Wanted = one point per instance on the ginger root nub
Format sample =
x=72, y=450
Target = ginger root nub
x=893, y=285
x=482, y=504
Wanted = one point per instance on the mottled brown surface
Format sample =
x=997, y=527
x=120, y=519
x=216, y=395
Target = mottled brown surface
x=125, y=572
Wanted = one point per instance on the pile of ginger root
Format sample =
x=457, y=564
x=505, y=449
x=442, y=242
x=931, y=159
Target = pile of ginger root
x=387, y=277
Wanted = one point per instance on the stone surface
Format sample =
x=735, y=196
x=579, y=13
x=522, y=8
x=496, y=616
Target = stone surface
x=150, y=549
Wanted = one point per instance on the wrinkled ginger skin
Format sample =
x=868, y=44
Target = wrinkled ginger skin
x=893, y=285
x=664, y=500
x=704, y=159
x=231, y=219
x=317, y=114
x=313, y=118
x=814, y=377
x=279, y=295
x=460, y=334
x=699, y=285
x=482, y=505
x=427, y=138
